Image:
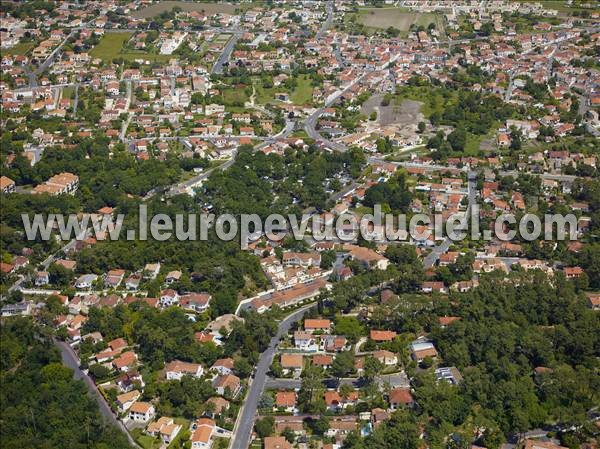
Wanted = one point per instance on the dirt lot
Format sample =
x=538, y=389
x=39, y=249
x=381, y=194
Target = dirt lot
x=406, y=113
x=208, y=8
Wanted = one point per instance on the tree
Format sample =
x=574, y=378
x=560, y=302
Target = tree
x=242, y=368
x=343, y=364
x=372, y=368
x=349, y=326
x=457, y=139
x=265, y=427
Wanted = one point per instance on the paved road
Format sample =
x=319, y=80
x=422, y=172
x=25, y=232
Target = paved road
x=327, y=24
x=440, y=249
x=70, y=360
x=243, y=429
x=226, y=53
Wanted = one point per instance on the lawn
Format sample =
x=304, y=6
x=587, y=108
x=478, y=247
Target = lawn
x=301, y=95
x=22, y=48
x=111, y=47
x=303, y=92
x=68, y=92
x=399, y=18
x=234, y=96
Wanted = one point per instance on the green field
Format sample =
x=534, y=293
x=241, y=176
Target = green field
x=22, y=48
x=399, y=18
x=111, y=47
x=303, y=92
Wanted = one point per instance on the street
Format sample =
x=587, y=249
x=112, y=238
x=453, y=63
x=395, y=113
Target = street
x=245, y=422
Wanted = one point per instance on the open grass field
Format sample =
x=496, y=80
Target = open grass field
x=302, y=94
x=21, y=48
x=111, y=47
x=207, y=8
x=399, y=18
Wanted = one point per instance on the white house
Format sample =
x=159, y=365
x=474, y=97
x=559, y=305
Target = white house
x=176, y=369
x=141, y=412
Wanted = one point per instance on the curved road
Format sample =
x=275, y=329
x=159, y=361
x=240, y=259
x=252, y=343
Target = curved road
x=243, y=428
x=70, y=360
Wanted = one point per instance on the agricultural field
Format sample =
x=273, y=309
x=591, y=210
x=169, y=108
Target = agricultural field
x=111, y=47
x=208, y=8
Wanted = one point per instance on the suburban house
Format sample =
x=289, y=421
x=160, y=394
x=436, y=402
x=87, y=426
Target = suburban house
x=400, y=397
x=176, y=369
x=291, y=363
x=126, y=400
x=314, y=325
x=379, y=336
x=387, y=358
x=202, y=432
x=223, y=366
x=421, y=349
x=305, y=341
x=227, y=383
x=165, y=427
x=286, y=401
x=141, y=412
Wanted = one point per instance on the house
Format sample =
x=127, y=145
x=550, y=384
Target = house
x=387, y=358
x=314, y=325
x=20, y=308
x=151, y=270
x=291, y=363
x=400, y=397
x=420, y=349
x=126, y=400
x=42, y=278
x=195, y=302
x=382, y=336
x=367, y=257
x=176, y=369
x=433, y=286
x=333, y=343
x=164, y=427
x=379, y=416
x=335, y=401
x=141, y=412
x=323, y=360
x=7, y=185
x=219, y=405
x=448, y=374
x=202, y=432
x=173, y=276
x=573, y=272
x=538, y=444
x=113, y=278
x=305, y=341
x=227, y=383
x=125, y=361
x=593, y=300
x=223, y=366
x=85, y=281
x=285, y=400
x=276, y=443
x=169, y=297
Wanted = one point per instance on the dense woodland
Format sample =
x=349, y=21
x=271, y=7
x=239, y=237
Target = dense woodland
x=42, y=405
